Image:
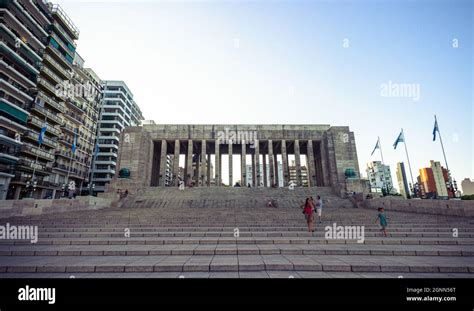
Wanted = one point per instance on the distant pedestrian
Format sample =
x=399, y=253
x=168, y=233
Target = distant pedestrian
x=308, y=209
x=318, y=204
x=383, y=220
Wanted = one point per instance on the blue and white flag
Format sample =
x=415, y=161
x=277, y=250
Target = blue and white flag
x=435, y=129
x=400, y=139
x=377, y=146
x=74, y=143
x=96, y=149
x=41, y=134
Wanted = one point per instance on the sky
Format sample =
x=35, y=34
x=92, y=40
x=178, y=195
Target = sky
x=297, y=62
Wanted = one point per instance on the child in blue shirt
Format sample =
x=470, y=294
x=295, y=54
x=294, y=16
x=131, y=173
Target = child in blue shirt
x=383, y=220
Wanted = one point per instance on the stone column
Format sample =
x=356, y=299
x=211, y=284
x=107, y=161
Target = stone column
x=271, y=163
x=163, y=163
x=189, y=163
x=176, y=162
x=230, y=164
x=310, y=164
x=254, y=177
x=265, y=170
x=243, y=166
x=209, y=177
x=217, y=164
x=257, y=162
x=277, y=178
x=298, y=163
x=284, y=156
x=203, y=170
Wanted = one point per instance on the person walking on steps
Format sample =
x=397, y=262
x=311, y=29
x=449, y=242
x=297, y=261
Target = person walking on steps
x=383, y=220
x=308, y=209
x=319, y=207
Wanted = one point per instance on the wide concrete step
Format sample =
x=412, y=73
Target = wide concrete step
x=209, y=263
x=252, y=240
x=269, y=274
x=320, y=233
x=235, y=249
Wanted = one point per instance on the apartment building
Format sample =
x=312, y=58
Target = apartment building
x=118, y=110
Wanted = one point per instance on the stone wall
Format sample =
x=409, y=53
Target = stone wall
x=434, y=207
x=9, y=208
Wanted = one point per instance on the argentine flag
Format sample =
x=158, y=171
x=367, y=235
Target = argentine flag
x=41, y=134
x=377, y=146
x=435, y=129
x=400, y=139
x=74, y=142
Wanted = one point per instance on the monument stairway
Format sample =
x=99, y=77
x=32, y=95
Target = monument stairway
x=229, y=232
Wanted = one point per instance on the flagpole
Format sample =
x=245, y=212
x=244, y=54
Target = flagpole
x=380, y=147
x=408, y=158
x=444, y=154
x=442, y=146
x=36, y=160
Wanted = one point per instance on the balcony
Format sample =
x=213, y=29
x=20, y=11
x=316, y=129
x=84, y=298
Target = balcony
x=116, y=138
x=51, y=116
x=8, y=138
x=51, y=74
x=20, y=27
x=14, y=88
x=66, y=75
x=25, y=164
x=48, y=86
x=109, y=129
x=67, y=128
x=9, y=49
x=74, y=118
x=63, y=33
x=108, y=154
x=30, y=18
x=39, y=124
x=59, y=57
x=108, y=146
x=50, y=101
x=11, y=70
x=35, y=53
x=46, y=141
x=62, y=44
x=105, y=171
x=28, y=148
x=100, y=162
x=14, y=111
x=65, y=21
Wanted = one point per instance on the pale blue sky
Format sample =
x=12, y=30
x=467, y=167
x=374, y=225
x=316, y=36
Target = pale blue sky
x=274, y=62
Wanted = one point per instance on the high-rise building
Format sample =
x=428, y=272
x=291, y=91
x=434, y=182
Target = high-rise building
x=49, y=106
x=433, y=181
x=118, y=110
x=402, y=180
x=23, y=38
x=379, y=177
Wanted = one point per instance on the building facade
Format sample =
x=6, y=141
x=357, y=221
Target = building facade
x=49, y=103
x=379, y=177
x=330, y=152
x=433, y=181
x=118, y=110
x=402, y=180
